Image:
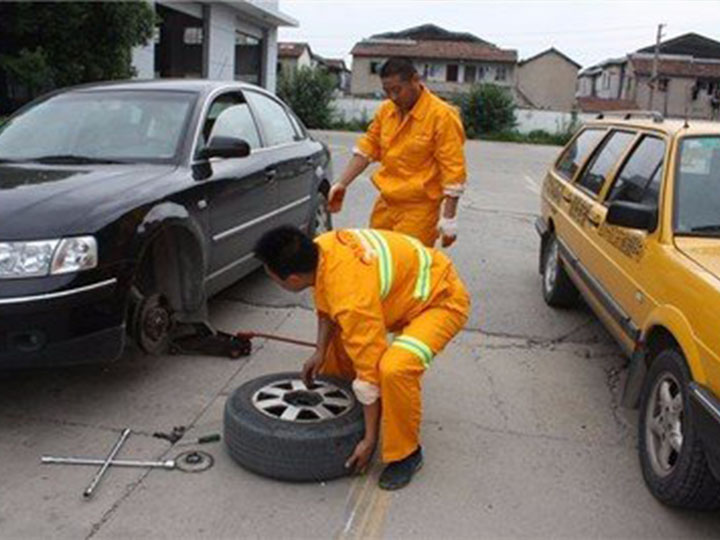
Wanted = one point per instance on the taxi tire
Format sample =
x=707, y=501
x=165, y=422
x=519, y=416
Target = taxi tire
x=320, y=217
x=691, y=484
x=290, y=451
x=563, y=293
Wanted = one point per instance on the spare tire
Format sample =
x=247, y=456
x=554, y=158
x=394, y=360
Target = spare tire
x=278, y=427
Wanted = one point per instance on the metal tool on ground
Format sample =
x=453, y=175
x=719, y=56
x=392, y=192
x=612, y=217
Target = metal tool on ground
x=211, y=438
x=105, y=464
x=174, y=436
x=249, y=335
x=194, y=461
x=206, y=340
x=52, y=460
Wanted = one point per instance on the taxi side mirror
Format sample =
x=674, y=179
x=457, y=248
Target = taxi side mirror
x=632, y=215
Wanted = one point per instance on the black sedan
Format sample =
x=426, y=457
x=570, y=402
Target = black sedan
x=124, y=206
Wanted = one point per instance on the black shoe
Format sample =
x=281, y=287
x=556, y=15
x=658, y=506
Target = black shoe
x=399, y=473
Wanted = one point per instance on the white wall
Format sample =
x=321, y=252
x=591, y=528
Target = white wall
x=221, y=42
x=350, y=108
x=143, y=60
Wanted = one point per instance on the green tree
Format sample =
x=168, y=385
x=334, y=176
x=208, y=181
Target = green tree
x=54, y=44
x=309, y=93
x=487, y=108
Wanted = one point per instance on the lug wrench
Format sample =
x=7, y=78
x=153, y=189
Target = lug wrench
x=167, y=464
x=105, y=464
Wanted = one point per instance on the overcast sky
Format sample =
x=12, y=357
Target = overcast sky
x=588, y=31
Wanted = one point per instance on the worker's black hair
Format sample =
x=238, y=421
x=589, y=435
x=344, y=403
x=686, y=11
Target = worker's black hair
x=399, y=65
x=287, y=250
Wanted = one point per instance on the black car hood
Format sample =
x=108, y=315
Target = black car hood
x=39, y=201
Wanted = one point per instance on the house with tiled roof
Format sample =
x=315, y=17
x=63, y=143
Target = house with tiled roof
x=687, y=83
x=449, y=62
x=547, y=81
x=293, y=55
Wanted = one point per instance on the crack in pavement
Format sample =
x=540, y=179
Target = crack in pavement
x=531, y=342
x=261, y=305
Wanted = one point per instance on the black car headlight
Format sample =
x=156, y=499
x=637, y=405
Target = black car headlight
x=47, y=257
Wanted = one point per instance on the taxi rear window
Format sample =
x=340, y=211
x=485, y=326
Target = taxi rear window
x=574, y=155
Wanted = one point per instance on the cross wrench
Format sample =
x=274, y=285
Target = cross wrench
x=105, y=464
x=166, y=464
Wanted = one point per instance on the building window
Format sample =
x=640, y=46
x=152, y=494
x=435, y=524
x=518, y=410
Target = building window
x=429, y=70
x=375, y=68
x=451, y=73
x=500, y=73
x=470, y=74
x=193, y=35
x=481, y=71
x=663, y=84
x=606, y=81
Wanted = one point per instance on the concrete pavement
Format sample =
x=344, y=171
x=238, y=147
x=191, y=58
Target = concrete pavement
x=522, y=431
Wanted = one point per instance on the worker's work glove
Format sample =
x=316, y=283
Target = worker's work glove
x=312, y=367
x=447, y=227
x=335, y=197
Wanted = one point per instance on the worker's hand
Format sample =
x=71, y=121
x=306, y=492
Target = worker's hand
x=335, y=197
x=360, y=457
x=311, y=367
x=448, y=231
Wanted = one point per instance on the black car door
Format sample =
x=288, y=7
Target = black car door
x=239, y=192
x=291, y=155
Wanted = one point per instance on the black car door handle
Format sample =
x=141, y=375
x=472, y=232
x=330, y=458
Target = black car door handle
x=271, y=172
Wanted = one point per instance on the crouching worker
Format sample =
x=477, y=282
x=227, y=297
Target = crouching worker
x=368, y=283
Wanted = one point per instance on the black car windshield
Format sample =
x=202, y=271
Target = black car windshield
x=97, y=126
x=697, y=192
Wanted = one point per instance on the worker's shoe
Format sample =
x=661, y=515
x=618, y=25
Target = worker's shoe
x=399, y=473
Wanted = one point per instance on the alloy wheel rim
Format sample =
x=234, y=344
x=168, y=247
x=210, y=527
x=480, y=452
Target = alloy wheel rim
x=290, y=400
x=664, y=424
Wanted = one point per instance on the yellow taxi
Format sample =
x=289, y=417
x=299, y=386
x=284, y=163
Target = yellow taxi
x=630, y=220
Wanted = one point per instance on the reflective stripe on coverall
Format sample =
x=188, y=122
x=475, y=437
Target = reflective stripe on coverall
x=373, y=282
x=421, y=160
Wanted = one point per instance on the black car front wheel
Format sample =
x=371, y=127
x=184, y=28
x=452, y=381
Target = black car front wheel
x=321, y=220
x=672, y=456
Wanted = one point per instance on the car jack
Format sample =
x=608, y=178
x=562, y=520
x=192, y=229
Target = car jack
x=207, y=341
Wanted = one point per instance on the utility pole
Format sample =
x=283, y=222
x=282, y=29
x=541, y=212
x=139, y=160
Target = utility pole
x=653, y=78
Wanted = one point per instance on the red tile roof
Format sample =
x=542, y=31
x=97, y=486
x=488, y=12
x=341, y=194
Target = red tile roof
x=450, y=50
x=596, y=104
x=677, y=68
x=291, y=50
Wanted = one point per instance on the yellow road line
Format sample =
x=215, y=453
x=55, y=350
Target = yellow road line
x=367, y=507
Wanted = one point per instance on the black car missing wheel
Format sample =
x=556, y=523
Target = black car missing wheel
x=124, y=206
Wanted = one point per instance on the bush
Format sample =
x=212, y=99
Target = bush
x=486, y=108
x=309, y=93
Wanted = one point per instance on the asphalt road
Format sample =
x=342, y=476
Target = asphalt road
x=522, y=430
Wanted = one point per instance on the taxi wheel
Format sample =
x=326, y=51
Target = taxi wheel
x=672, y=457
x=558, y=289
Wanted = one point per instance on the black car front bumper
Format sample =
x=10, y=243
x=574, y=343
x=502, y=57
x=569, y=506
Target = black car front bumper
x=73, y=324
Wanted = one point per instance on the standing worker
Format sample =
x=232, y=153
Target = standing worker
x=418, y=139
x=368, y=283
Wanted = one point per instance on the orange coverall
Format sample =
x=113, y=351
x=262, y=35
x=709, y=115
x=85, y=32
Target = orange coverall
x=421, y=160
x=373, y=282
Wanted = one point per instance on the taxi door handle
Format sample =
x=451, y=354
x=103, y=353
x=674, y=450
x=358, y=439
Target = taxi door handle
x=594, y=219
x=567, y=194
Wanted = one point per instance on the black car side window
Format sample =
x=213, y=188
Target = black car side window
x=602, y=163
x=575, y=154
x=638, y=180
x=230, y=116
x=276, y=125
